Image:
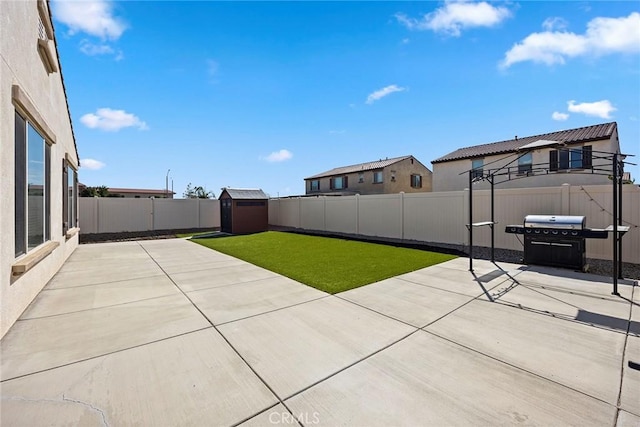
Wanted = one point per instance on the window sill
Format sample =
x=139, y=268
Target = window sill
x=72, y=232
x=30, y=260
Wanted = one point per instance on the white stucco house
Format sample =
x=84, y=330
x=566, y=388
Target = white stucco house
x=575, y=156
x=38, y=158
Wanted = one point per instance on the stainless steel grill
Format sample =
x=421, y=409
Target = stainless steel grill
x=556, y=240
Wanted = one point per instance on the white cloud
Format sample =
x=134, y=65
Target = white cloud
x=279, y=156
x=112, y=120
x=602, y=109
x=561, y=117
x=212, y=67
x=91, y=164
x=92, y=49
x=455, y=16
x=554, y=23
x=603, y=36
x=381, y=93
x=93, y=17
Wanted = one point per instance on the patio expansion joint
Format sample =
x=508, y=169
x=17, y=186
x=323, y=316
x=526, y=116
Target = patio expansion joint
x=227, y=285
x=624, y=351
x=362, y=359
x=24, y=319
x=46, y=288
x=103, y=355
x=281, y=401
x=517, y=367
x=274, y=310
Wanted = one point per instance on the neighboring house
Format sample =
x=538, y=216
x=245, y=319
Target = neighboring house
x=576, y=160
x=38, y=158
x=136, y=193
x=378, y=177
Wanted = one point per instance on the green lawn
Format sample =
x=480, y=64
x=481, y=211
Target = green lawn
x=331, y=265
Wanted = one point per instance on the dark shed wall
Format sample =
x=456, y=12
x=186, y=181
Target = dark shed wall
x=243, y=216
x=250, y=216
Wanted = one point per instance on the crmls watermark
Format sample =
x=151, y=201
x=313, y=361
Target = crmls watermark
x=305, y=418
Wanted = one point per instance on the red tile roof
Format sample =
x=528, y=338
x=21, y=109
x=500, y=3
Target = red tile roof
x=569, y=136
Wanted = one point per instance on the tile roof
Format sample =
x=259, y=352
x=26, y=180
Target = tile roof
x=360, y=167
x=138, y=190
x=245, y=193
x=569, y=136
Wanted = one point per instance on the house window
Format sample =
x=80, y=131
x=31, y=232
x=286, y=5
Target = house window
x=69, y=197
x=315, y=185
x=525, y=163
x=377, y=177
x=416, y=181
x=574, y=158
x=32, y=187
x=338, y=183
x=361, y=177
x=476, y=166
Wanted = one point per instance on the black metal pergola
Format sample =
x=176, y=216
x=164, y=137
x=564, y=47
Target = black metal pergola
x=609, y=164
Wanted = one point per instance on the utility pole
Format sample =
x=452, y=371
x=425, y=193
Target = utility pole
x=166, y=185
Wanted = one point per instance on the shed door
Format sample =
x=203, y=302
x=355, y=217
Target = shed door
x=225, y=215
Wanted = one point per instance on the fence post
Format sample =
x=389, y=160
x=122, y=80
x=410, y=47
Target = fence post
x=198, y=213
x=153, y=214
x=299, y=212
x=97, y=204
x=324, y=213
x=357, y=214
x=565, y=205
x=402, y=215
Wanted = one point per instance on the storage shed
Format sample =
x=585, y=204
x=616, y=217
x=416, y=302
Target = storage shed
x=243, y=210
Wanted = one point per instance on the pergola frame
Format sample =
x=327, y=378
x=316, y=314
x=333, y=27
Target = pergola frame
x=613, y=167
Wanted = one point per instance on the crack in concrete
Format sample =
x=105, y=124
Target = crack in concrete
x=88, y=405
x=64, y=399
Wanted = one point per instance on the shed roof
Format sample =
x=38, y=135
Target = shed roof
x=360, y=167
x=569, y=136
x=245, y=193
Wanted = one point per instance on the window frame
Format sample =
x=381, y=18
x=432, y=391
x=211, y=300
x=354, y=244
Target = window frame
x=573, y=158
x=525, y=164
x=27, y=136
x=414, y=183
x=477, y=171
x=378, y=177
x=311, y=185
x=344, y=182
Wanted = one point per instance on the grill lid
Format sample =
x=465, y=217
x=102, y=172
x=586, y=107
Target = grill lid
x=563, y=222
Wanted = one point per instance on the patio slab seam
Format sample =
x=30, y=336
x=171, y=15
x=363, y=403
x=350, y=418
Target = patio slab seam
x=238, y=283
x=47, y=288
x=262, y=380
x=271, y=311
x=563, y=317
x=362, y=359
x=21, y=319
x=451, y=291
x=624, y=351
x=103, y=354
x=518, y=367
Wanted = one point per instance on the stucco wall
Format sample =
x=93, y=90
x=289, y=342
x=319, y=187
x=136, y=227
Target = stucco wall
x=20, y=64
x=452, y=176
x=396, y=178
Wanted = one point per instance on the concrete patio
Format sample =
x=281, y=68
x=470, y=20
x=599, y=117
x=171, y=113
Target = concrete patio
x=168, y=332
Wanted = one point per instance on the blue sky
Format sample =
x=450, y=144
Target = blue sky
x=264, y=94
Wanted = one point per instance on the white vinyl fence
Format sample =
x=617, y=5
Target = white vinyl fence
x=440, y=217
x=115, y=215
